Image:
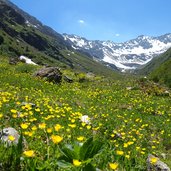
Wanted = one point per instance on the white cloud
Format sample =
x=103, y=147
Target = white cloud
x=117, y=35
x=81, y=21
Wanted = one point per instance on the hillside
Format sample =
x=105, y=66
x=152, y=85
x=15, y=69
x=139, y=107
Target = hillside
x=158, y=69
x=127, y=118
x=22, y=34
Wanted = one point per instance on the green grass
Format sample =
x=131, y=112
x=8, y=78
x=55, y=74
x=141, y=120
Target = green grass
x=133, y=122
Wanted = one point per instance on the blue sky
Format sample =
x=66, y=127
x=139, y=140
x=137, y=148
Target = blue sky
x=116, y=20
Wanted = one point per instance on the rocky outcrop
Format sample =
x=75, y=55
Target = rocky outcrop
x=9, y=136
x=155, y=164
x=13, y=61
x=52, y=74
x=67, y=79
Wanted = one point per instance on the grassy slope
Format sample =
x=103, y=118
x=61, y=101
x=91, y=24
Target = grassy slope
x=155, y=63
x=159, y=69
x=162, y=74
x=140, y=116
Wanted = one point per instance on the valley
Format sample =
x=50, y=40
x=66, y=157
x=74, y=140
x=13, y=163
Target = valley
x=72, y=104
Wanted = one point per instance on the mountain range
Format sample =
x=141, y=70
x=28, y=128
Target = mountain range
x=23, y=34
x=127, y=55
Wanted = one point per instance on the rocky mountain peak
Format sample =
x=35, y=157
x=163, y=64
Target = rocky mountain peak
x=128, y=55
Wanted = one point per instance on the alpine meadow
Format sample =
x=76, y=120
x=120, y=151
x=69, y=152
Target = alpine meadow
x=72, y=104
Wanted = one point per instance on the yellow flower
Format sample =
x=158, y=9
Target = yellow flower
x=83, y=123
x=88, y=127
x=127, y=156
x=42, y=125
x=37, y=110
x=24, y=125
x=1, y=115
x=119, y=152
x=56, y=139
x=72, y=120
x=14, y=116
x=57, y=127
x=76, y=162
x=34, y=128
x=153, y=160
x=130, y=142
x=81, y=138
x=13, y=111
x=49, y=130
x=125, y=145
x=113, y=166
x=72, y=125
x=11, y=138
x=29, y=153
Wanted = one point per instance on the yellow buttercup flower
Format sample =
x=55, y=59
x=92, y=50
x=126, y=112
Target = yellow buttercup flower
x=56, y=139
x=76, y=162
x=113, y=166
x=153, y=160
x=81, y=138
x=13, y=111
x=29, y=153
x=119, y=152
x=49, y=130
x=11, y=138
x=57, y=127
x=88, y=126
x=37, y=110
x=42, y=125
x=72, y=125
x=34, y=128
x=24, y=125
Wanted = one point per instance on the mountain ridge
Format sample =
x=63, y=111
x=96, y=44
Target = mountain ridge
x=127, y=55
x=23, y=35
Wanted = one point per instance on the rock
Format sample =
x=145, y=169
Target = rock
x=26, y=103
x=163, y=155
x=6, y=132
x=67, y=79
x=52, y=74
x=129, y=88
x=13, y=61
x=155, y=164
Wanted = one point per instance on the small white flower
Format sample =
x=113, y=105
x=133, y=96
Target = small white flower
x=85, y=119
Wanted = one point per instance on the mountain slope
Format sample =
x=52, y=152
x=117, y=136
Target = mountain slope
x=161, y=68
x=127, y=55
x=154, y=63
x=22, y=34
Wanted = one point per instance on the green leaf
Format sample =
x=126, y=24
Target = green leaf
x=90, y=148
x=64, y=164
x=69, y=153
x=84, y=148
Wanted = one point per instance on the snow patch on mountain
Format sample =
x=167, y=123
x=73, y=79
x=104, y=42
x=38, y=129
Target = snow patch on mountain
x=27, y=60
x=127, y=55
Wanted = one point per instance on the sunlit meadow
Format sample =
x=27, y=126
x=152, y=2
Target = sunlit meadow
x=124, y=121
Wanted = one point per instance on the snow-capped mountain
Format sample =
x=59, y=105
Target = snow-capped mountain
x=127, y=55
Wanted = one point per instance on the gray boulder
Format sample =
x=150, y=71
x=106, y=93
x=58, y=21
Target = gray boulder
x=157, y=166
x=52, y=74
x=6, y=132
x=13, y=61
x=67, y=79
